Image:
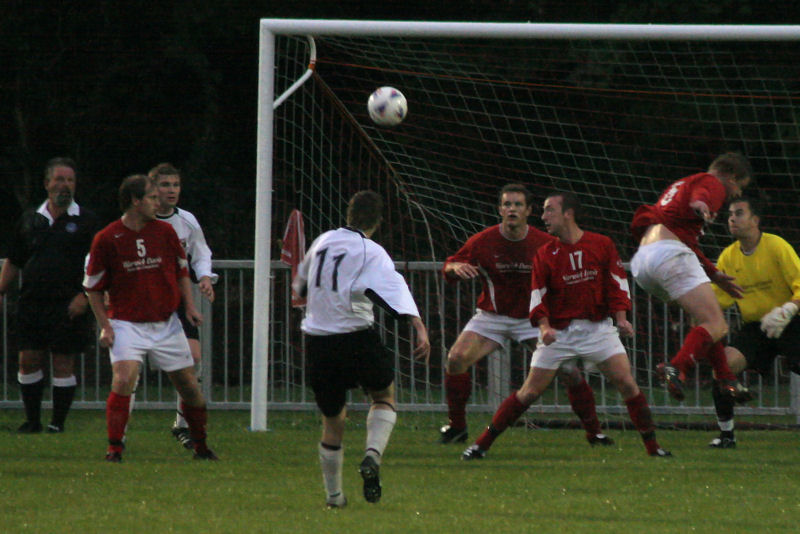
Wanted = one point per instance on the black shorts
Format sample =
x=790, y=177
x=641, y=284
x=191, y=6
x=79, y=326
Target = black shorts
x=344, y=361
x=45, y=325
x=191, y=331
x=760, y=351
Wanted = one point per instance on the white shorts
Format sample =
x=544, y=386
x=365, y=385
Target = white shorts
x=592, y=342
x=500, y=328
x=667, y=269
x=164, y=342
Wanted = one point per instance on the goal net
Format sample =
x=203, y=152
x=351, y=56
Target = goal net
x=611, y=119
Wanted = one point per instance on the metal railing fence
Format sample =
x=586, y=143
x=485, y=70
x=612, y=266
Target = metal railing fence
x=226, y=338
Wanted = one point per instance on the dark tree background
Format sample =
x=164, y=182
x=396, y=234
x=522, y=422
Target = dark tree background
x=121, y=86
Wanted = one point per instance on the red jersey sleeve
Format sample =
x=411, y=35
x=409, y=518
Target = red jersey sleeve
x=464, y=255
x=539, y=276
x=617, y=290
x=98, y=268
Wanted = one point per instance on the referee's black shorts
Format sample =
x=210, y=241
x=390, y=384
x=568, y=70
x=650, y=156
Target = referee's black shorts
x=344, y=361
x=45, y=325
x=760, y=351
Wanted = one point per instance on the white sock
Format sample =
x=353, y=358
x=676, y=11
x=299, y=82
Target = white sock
x=31, y=378
x=379, y=427
x=725, y=426
x=330, y=461
x=130, y=405
x=135, y=387
x=64, y=382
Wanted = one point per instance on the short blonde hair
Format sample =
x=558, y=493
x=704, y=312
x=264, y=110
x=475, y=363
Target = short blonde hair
x=163, y=169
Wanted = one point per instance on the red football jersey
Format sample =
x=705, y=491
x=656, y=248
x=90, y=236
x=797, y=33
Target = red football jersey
x=585, y=280
x=140, y=270
x=505, y=268
x=673, y=211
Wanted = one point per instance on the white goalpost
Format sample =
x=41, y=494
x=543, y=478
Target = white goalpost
x=525, y=128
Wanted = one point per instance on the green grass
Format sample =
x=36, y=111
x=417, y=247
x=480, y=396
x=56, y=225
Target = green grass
x=532, y=481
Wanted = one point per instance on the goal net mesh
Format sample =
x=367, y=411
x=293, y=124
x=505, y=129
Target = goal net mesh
x=612, y=121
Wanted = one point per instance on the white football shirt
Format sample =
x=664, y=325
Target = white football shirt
x=342, y=274
x=193, y=242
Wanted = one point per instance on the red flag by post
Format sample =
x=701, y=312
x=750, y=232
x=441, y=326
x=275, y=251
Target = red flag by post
x=294, y=249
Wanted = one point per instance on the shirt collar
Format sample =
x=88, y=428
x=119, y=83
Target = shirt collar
x=165, y=217
x=73, y=210
x=356, y=230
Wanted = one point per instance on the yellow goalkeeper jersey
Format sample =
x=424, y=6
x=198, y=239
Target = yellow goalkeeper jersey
x=769, y=276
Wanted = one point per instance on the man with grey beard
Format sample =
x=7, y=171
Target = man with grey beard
x=49, y=247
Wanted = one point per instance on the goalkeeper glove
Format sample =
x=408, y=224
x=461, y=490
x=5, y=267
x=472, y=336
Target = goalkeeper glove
x=775, y=321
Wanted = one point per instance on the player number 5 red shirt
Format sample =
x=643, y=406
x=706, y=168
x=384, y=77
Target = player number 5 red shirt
x=140, y=270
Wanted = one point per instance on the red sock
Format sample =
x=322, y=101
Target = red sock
x=642, y=419
x=196, y=417
x=117, y=413
x=695, y=348
x=507, y=413
x=716, y=356
x=458, y=389
x=581, y=397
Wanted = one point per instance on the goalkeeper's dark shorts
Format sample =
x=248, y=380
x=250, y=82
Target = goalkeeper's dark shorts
x=191, y=331
x=760, y=351
x=341, y=362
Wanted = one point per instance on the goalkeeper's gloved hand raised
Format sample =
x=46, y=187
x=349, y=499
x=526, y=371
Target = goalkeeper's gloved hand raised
x=775, y=321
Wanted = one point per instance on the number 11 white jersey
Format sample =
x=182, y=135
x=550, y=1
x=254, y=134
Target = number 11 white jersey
x=342, y=275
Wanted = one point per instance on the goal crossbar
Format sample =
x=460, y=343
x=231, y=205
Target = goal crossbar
x=505, y=30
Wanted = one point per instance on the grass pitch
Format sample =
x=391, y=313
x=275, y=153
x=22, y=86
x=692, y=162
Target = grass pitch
x=531, y=481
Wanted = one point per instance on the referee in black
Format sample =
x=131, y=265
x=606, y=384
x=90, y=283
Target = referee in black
x=49, y=248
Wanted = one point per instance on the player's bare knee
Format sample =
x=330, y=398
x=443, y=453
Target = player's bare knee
x=717, y=329
x=569, y=377
x=192, y=396
x=527, y=395
x=63, y=366
x=736, y=360
x=382, y=399
x=30, y=362
x=123, y=383
x=27, y=368
x=627, y=387
x=456, y=362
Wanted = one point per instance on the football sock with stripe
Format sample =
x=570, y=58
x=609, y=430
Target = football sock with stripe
x=718, y=361
x=63, y=393
x=695, y=348
x=507, y=413
x=642, y=419
x=331, y=458
x=31, y=389
x=723, y=405
x=196, y=418
x=117, y=414
x=581, y=398
x=380, y=423
x=457, y=388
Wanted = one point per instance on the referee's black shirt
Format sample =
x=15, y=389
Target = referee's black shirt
x=52, y=258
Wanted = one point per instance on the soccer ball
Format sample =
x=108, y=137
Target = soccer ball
x=387, y=106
